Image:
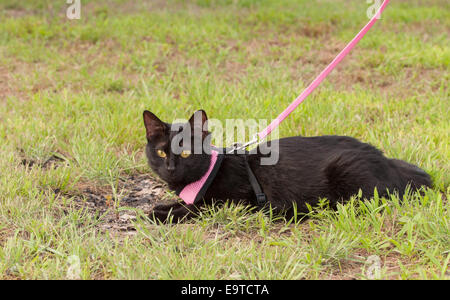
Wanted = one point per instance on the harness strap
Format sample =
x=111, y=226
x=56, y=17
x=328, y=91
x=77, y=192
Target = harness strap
x=261, y=198
x=195, y=191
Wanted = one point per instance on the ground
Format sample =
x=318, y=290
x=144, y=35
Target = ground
x=75, y=185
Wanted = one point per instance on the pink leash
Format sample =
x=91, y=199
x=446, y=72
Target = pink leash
x=320, y=78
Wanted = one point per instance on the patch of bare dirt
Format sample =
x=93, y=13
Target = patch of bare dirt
x=137, y=192
x=5, y=234
x=361, y=265
x=359, y=70
x=51, y=162
x=5, y=88
x=16, y=12
x=13, y=79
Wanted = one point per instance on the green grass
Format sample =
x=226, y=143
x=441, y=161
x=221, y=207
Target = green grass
x=77, y=89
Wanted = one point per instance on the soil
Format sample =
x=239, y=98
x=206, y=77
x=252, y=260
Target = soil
x=136, y=193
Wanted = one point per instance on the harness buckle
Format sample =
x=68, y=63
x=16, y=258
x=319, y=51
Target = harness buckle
x=240, y=146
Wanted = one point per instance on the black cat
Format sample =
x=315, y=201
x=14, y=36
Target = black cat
x=309, y=168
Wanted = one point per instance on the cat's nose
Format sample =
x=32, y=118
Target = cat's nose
x=171, y=164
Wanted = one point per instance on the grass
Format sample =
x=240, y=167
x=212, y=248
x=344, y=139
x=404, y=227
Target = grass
x=77, y=89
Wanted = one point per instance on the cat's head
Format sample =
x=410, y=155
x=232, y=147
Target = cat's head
x=178, y=152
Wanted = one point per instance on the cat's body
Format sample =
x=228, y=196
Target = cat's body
x=309, y=168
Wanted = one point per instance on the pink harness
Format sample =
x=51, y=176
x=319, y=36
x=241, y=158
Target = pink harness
x=196, y=190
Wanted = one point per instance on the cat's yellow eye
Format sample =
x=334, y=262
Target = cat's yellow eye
x=185, y=153
x=161, y=153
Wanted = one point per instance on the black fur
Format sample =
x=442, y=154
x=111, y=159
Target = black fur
x=309, y=168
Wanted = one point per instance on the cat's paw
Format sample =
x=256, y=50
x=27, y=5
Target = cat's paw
x=169, y=213
x=161, y=212
x=158, y=215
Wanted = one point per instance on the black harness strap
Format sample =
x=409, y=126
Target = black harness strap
x=261, y=198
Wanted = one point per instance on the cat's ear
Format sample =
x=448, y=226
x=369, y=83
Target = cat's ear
x=198, y=122
x=154, y=127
